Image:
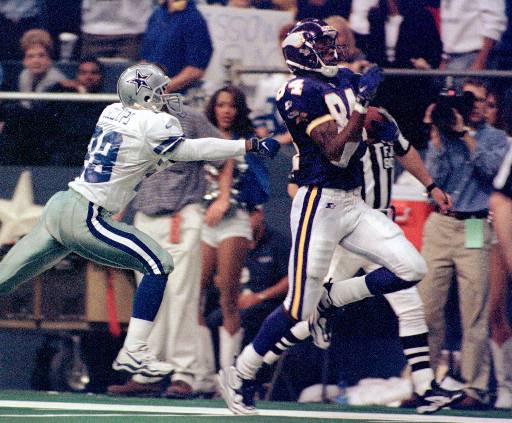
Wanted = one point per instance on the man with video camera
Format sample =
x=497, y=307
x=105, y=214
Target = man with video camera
x=464, y=155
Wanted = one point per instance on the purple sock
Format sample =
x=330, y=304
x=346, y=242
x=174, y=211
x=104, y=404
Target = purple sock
x=275, y=326
x=383, y=281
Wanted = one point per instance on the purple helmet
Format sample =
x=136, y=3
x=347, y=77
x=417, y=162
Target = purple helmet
x=311, y=46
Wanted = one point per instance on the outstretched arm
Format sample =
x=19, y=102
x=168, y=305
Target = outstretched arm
x=220, y=149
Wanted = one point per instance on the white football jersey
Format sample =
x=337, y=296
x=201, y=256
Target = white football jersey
x=127, y=145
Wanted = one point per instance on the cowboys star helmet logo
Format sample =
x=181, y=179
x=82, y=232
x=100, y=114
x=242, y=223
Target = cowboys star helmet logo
x=140, y=80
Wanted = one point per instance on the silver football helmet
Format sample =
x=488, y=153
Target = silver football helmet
x=142, y=86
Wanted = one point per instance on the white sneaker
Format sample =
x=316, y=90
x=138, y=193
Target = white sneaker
x=141, y=361
x=504, y=399
x=238, y=393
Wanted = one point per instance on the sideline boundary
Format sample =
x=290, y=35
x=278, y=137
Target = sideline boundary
x=167, y=410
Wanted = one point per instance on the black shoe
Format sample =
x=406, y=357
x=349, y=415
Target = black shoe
x=436, y=398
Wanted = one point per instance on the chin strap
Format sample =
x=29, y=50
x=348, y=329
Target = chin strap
x=328, y=71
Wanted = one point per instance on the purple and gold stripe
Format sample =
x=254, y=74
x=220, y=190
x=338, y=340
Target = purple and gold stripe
x=301, y=249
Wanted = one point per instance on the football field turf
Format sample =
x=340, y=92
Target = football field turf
x=31, y=406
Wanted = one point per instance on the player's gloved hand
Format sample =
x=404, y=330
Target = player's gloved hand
x=265, y=146
x=386, y=132
x=368, y=84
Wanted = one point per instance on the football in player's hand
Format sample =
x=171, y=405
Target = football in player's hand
x=372, y=114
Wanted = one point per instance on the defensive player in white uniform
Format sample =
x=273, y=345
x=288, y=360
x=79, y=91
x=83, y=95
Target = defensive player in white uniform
x=132, y=139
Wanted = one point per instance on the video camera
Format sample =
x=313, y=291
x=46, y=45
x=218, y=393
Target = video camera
x=442, y=114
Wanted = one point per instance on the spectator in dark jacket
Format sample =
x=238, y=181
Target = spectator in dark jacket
x=403, y=34
x=177, y=37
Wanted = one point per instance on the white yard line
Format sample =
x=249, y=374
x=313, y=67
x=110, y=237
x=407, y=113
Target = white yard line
x=206, y=411
x=89, y=415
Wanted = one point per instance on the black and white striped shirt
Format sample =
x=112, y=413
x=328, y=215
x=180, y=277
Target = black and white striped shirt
x=503, y=179
x=378, y=168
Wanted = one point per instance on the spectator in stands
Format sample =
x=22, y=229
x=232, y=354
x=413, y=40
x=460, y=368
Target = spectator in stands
x=241, y=185
x=75, y=121
x=89, y=78
x=264, y=278
x=177, y=37
x=265, y=116
x=321, y=9
x=39, y=73
x=403, y=34
x=354, y=58
x=358, y=19
x=463, y=157
x=499, y=110
x=501, y=57
x=114, y=28
x=469, y=31
x=168, y=208
x=17, y=17
x=28, y=129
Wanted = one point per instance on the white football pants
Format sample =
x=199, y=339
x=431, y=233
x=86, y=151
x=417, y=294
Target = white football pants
x=323, y=218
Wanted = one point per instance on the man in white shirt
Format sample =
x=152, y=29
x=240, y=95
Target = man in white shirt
x=114, y=28
x=469, y=31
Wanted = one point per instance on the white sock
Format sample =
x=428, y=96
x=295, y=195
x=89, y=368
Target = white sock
x=249, y=362
x=421, y=380
x=299, y=331
x=229, y=346
x=348, y=291
x=138, y=332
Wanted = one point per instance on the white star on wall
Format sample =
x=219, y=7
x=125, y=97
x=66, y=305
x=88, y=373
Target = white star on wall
x=19, y=214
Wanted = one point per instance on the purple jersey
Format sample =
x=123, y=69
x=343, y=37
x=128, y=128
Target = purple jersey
x=307, y=101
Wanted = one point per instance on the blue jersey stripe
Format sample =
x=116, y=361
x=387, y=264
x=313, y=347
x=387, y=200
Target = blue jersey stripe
x=168, y=145
x=120, y=246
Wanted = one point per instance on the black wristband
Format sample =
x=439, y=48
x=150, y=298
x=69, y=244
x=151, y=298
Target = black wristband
x=254, y=144
x=431, y=187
